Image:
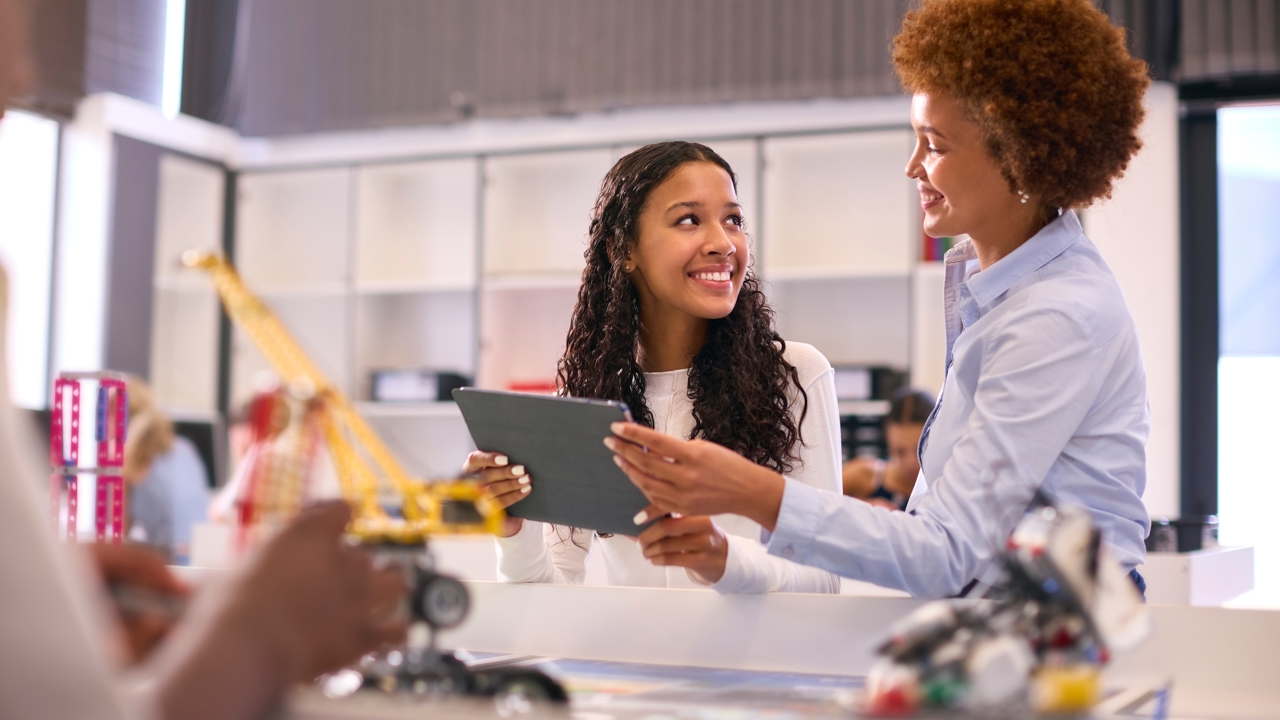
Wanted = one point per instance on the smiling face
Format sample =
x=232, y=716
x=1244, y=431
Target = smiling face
x=962, y=191
x=691, y=252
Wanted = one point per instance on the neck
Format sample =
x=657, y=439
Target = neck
x=1006, y=232
x=669, y=339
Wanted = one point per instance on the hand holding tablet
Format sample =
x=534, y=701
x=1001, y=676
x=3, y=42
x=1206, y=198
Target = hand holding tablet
x=558, y=441
x=508, y=483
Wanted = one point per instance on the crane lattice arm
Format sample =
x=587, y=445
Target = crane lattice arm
x=345, y=431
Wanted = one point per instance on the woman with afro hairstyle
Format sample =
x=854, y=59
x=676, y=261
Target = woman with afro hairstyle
x=671, y=320
x=1024, y=111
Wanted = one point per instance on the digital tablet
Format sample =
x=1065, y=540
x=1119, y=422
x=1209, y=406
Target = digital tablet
x=560, y=443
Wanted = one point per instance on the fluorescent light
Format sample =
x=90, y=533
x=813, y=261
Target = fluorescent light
x=175, y=25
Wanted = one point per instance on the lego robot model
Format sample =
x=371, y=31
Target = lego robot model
x=1039, y=649
x=110, y=426
x=307, y=414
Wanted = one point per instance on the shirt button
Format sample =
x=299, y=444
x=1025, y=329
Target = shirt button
x=788, y=552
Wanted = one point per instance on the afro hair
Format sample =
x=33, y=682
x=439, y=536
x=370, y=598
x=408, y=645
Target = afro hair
x=1050, y=84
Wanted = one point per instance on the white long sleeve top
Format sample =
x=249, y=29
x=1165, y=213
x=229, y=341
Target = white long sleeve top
x=547, y=554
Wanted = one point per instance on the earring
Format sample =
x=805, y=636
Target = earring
x=1024, y=197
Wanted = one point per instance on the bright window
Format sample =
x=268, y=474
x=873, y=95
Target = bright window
x=1249, y=367
x=28, y=176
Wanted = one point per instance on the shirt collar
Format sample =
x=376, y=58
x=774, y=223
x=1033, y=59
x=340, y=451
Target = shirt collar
x=1052, y=240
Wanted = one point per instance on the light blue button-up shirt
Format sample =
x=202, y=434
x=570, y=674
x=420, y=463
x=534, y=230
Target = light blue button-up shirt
x=1044, y=389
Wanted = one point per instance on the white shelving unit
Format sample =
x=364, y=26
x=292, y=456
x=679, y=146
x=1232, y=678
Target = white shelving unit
x=184, y=308
x=472, y=265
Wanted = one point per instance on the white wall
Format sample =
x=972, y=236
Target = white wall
x=1137, y=231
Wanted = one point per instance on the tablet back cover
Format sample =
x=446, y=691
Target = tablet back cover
x=560, y=442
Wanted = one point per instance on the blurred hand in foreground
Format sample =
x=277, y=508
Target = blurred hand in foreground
x=307, y=603
x=136, y=571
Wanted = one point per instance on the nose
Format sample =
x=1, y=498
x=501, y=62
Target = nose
x=915, y=163
x=719, y=242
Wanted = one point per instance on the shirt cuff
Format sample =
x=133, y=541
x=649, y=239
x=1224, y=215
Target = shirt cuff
x=799, y=518
x=735, y=568
x=521, y=553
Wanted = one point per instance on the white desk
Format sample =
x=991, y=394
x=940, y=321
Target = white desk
x=1224, y=663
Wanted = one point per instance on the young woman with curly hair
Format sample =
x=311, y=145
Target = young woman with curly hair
x=671, y=320
x=1024, y=110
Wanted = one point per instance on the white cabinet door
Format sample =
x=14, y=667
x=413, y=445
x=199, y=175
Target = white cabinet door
x=838, y=205
x=293, y=230
x=184, y=315
x=538, y=209
x=416, y=225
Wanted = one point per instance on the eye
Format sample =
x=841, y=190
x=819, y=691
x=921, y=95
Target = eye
x=737, y=220
x=934, y=151
x=690, y=219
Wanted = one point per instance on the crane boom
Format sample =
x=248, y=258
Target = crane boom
x=346, y=433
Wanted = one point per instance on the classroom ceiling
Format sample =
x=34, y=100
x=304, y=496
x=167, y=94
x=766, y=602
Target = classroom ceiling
x=270, y=67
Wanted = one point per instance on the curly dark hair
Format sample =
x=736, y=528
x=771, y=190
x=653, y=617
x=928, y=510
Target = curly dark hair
x=739, y=380
x=1050, y=83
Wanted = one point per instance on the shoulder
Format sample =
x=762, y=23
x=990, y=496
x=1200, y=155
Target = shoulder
x=808, y=362
x=1076, y=293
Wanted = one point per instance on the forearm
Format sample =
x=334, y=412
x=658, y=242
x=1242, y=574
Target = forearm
x=228, y=669
x=918, y=554
x=750, y=569
x=525, y=558
x=759, y=496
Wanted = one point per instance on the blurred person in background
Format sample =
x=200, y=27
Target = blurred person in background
x=305, y=604
x=168, y=483
x=888, y=483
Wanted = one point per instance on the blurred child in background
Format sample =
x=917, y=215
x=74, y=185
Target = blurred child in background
x=168, y=483
x=889, y=483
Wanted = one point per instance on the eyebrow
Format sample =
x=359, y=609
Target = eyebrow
x=696, y=204
x=931, y=130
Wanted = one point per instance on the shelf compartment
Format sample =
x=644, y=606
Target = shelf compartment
x=319, y=324
x=863, y=321
x=435, y=331
x=522, y=334
x=416, y=224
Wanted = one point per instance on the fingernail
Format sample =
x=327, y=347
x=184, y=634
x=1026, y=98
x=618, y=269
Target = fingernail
x=523, y=479
x=610, y=443
x=617, y=427
x=617, y=461
x=640, y=517
x=517, y=470
x=501, y=460
x=525, y=490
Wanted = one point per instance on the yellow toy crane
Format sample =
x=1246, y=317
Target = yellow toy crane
x=428, y=508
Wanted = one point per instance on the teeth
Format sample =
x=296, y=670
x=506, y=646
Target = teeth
x=713, y=276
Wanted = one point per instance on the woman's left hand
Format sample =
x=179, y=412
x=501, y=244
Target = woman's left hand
x=694, y=543
x=694, y=477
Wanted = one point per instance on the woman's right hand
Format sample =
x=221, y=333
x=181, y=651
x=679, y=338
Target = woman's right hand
x=508, y=484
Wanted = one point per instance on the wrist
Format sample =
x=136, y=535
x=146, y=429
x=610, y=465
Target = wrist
x=764, y=500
